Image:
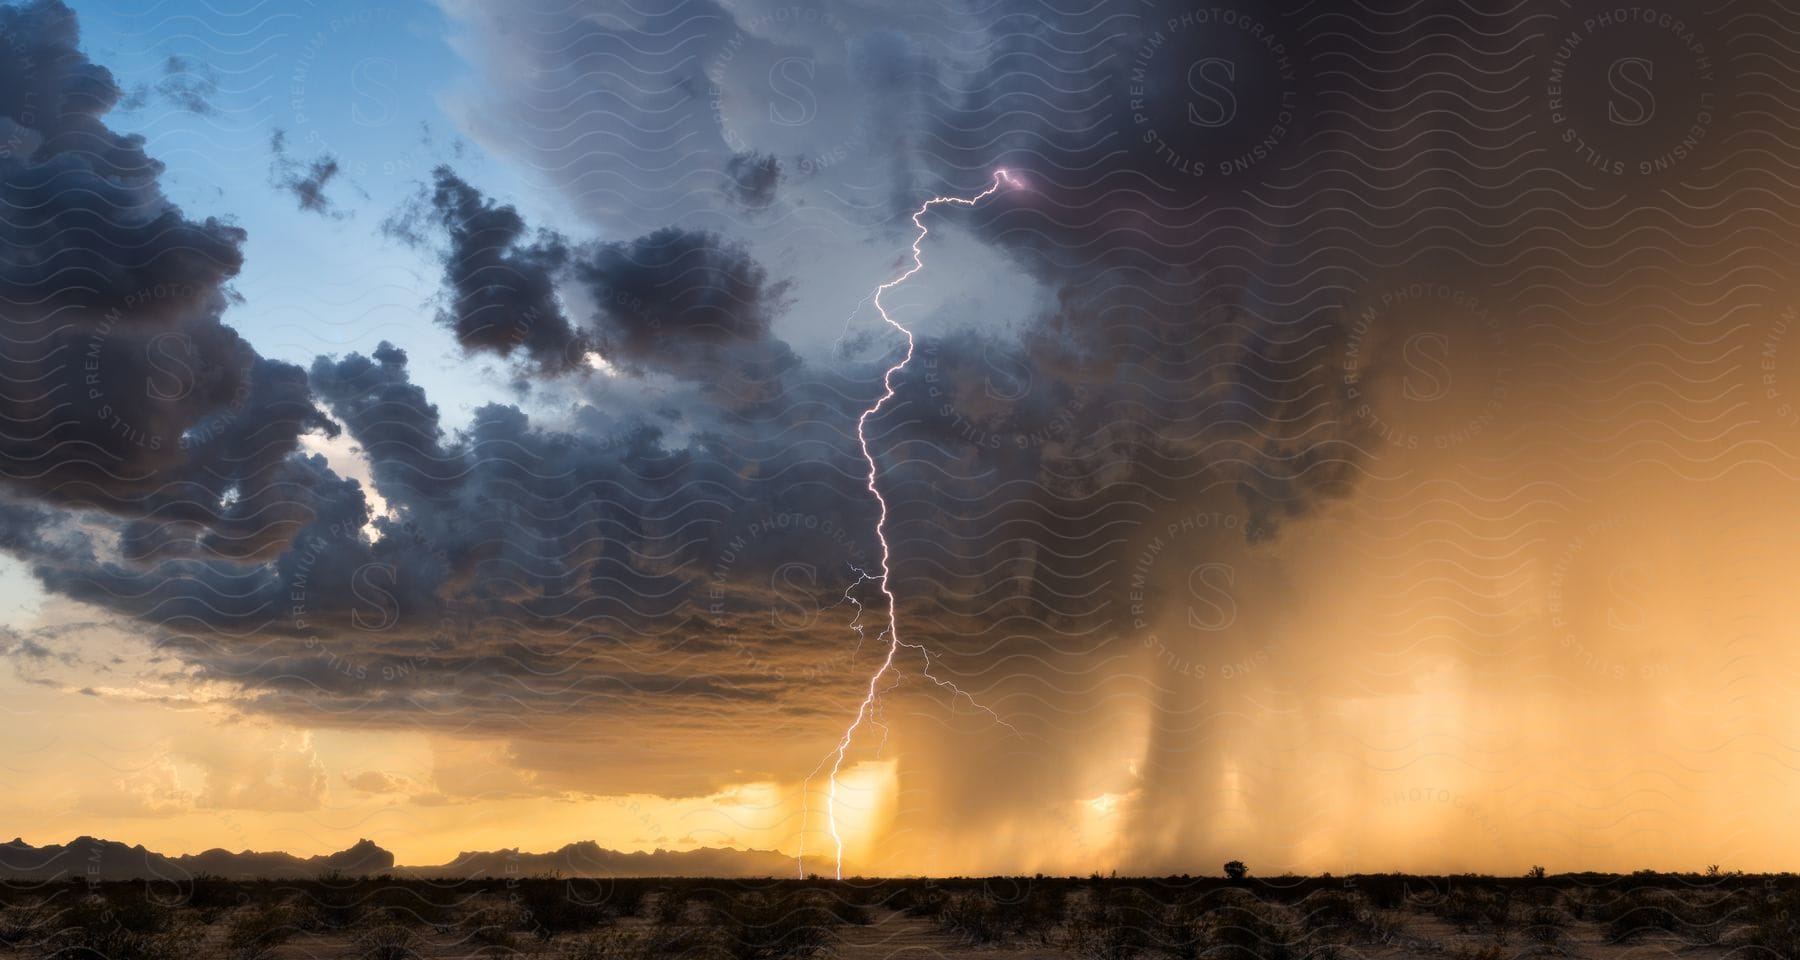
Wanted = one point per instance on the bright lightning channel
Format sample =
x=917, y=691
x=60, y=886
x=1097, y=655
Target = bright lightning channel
x=863, y=711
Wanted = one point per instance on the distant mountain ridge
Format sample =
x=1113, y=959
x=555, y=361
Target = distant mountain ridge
x=110, y=860
x=589, y=859
x=90, y=857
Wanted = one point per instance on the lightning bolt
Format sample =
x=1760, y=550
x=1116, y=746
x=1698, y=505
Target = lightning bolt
x=892, y=633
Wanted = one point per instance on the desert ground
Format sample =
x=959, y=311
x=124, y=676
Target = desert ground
x=1289, y=918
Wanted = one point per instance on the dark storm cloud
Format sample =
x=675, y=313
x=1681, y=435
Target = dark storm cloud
x=672, y=299
x=500, y=283
x=122, y=388
x=306, y=181
x=531, y=575
x=753, y=178
x=897, y=109
x=535, y=575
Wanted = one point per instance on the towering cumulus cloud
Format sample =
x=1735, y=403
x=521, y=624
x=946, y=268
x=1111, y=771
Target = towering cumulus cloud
x=124, y=393
x=1341, y=402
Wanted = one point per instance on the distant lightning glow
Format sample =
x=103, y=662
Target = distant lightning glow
x=863, y=711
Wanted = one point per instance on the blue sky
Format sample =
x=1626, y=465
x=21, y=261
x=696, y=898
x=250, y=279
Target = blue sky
x=361, y=83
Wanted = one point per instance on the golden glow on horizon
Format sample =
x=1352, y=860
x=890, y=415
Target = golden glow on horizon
x=1421, y=708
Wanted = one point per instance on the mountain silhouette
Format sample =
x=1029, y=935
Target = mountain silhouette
x=89, y=857
x=589, y=859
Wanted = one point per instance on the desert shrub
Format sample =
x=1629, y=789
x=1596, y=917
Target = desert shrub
x=129, y=907
x=1115, y=923
x=125, y=908
x=1330, y=916
x=686, y=943
x=623, y=898
x=610, y=944
x=492, y=927
x=1709, y=919
x=1384, y=891
x=1249, y=931
x=1497, y=910
x=671, y=906
x=388, y=941
x=211, y=895
x=255, y=931
x=1544, y=924
x=1035, y=914
x=132, y=928
x=767, y=926
x=1637, y=912
x=25, y=922
x=410, y=904
x=1771, y=928
x=1579, y=904
x=973, y=918
x=1470, y=908
x=1461, y=908
x=1181, y=930
x=550, y=907
x=926, y=900
x=331, y=904
x=119, y=943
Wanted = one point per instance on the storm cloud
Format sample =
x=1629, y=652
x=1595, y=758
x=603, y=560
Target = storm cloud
x=1314, y=315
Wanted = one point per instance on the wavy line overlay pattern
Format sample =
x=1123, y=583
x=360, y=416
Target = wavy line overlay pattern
x=1361, y=438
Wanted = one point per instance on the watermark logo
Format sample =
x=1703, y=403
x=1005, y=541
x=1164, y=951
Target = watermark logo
x=137, y=386
x=374, y=89
x=1184, y=601
x=1631, y=91
x=1212, y=102
x=826, y=562
x=1426, y=366
x=1210, y=605
x=1773, y=369
x=1214, y=92
x=342, y=85
x=337, y=628
x=775, y=89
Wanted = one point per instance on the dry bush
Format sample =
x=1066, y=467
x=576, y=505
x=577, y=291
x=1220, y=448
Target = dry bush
x=24, y=923
x=124, y=926
x=671, y=906
x=1544, y=924
x=1771, y=926
x=549, y=907
x=770, y=925
x=1341, y=915
x=973, y=919
x=388, y=941
x=1637, y=912
x=1253, y=931
x=254, y=931
x=610, y=944
x=1116, y=922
